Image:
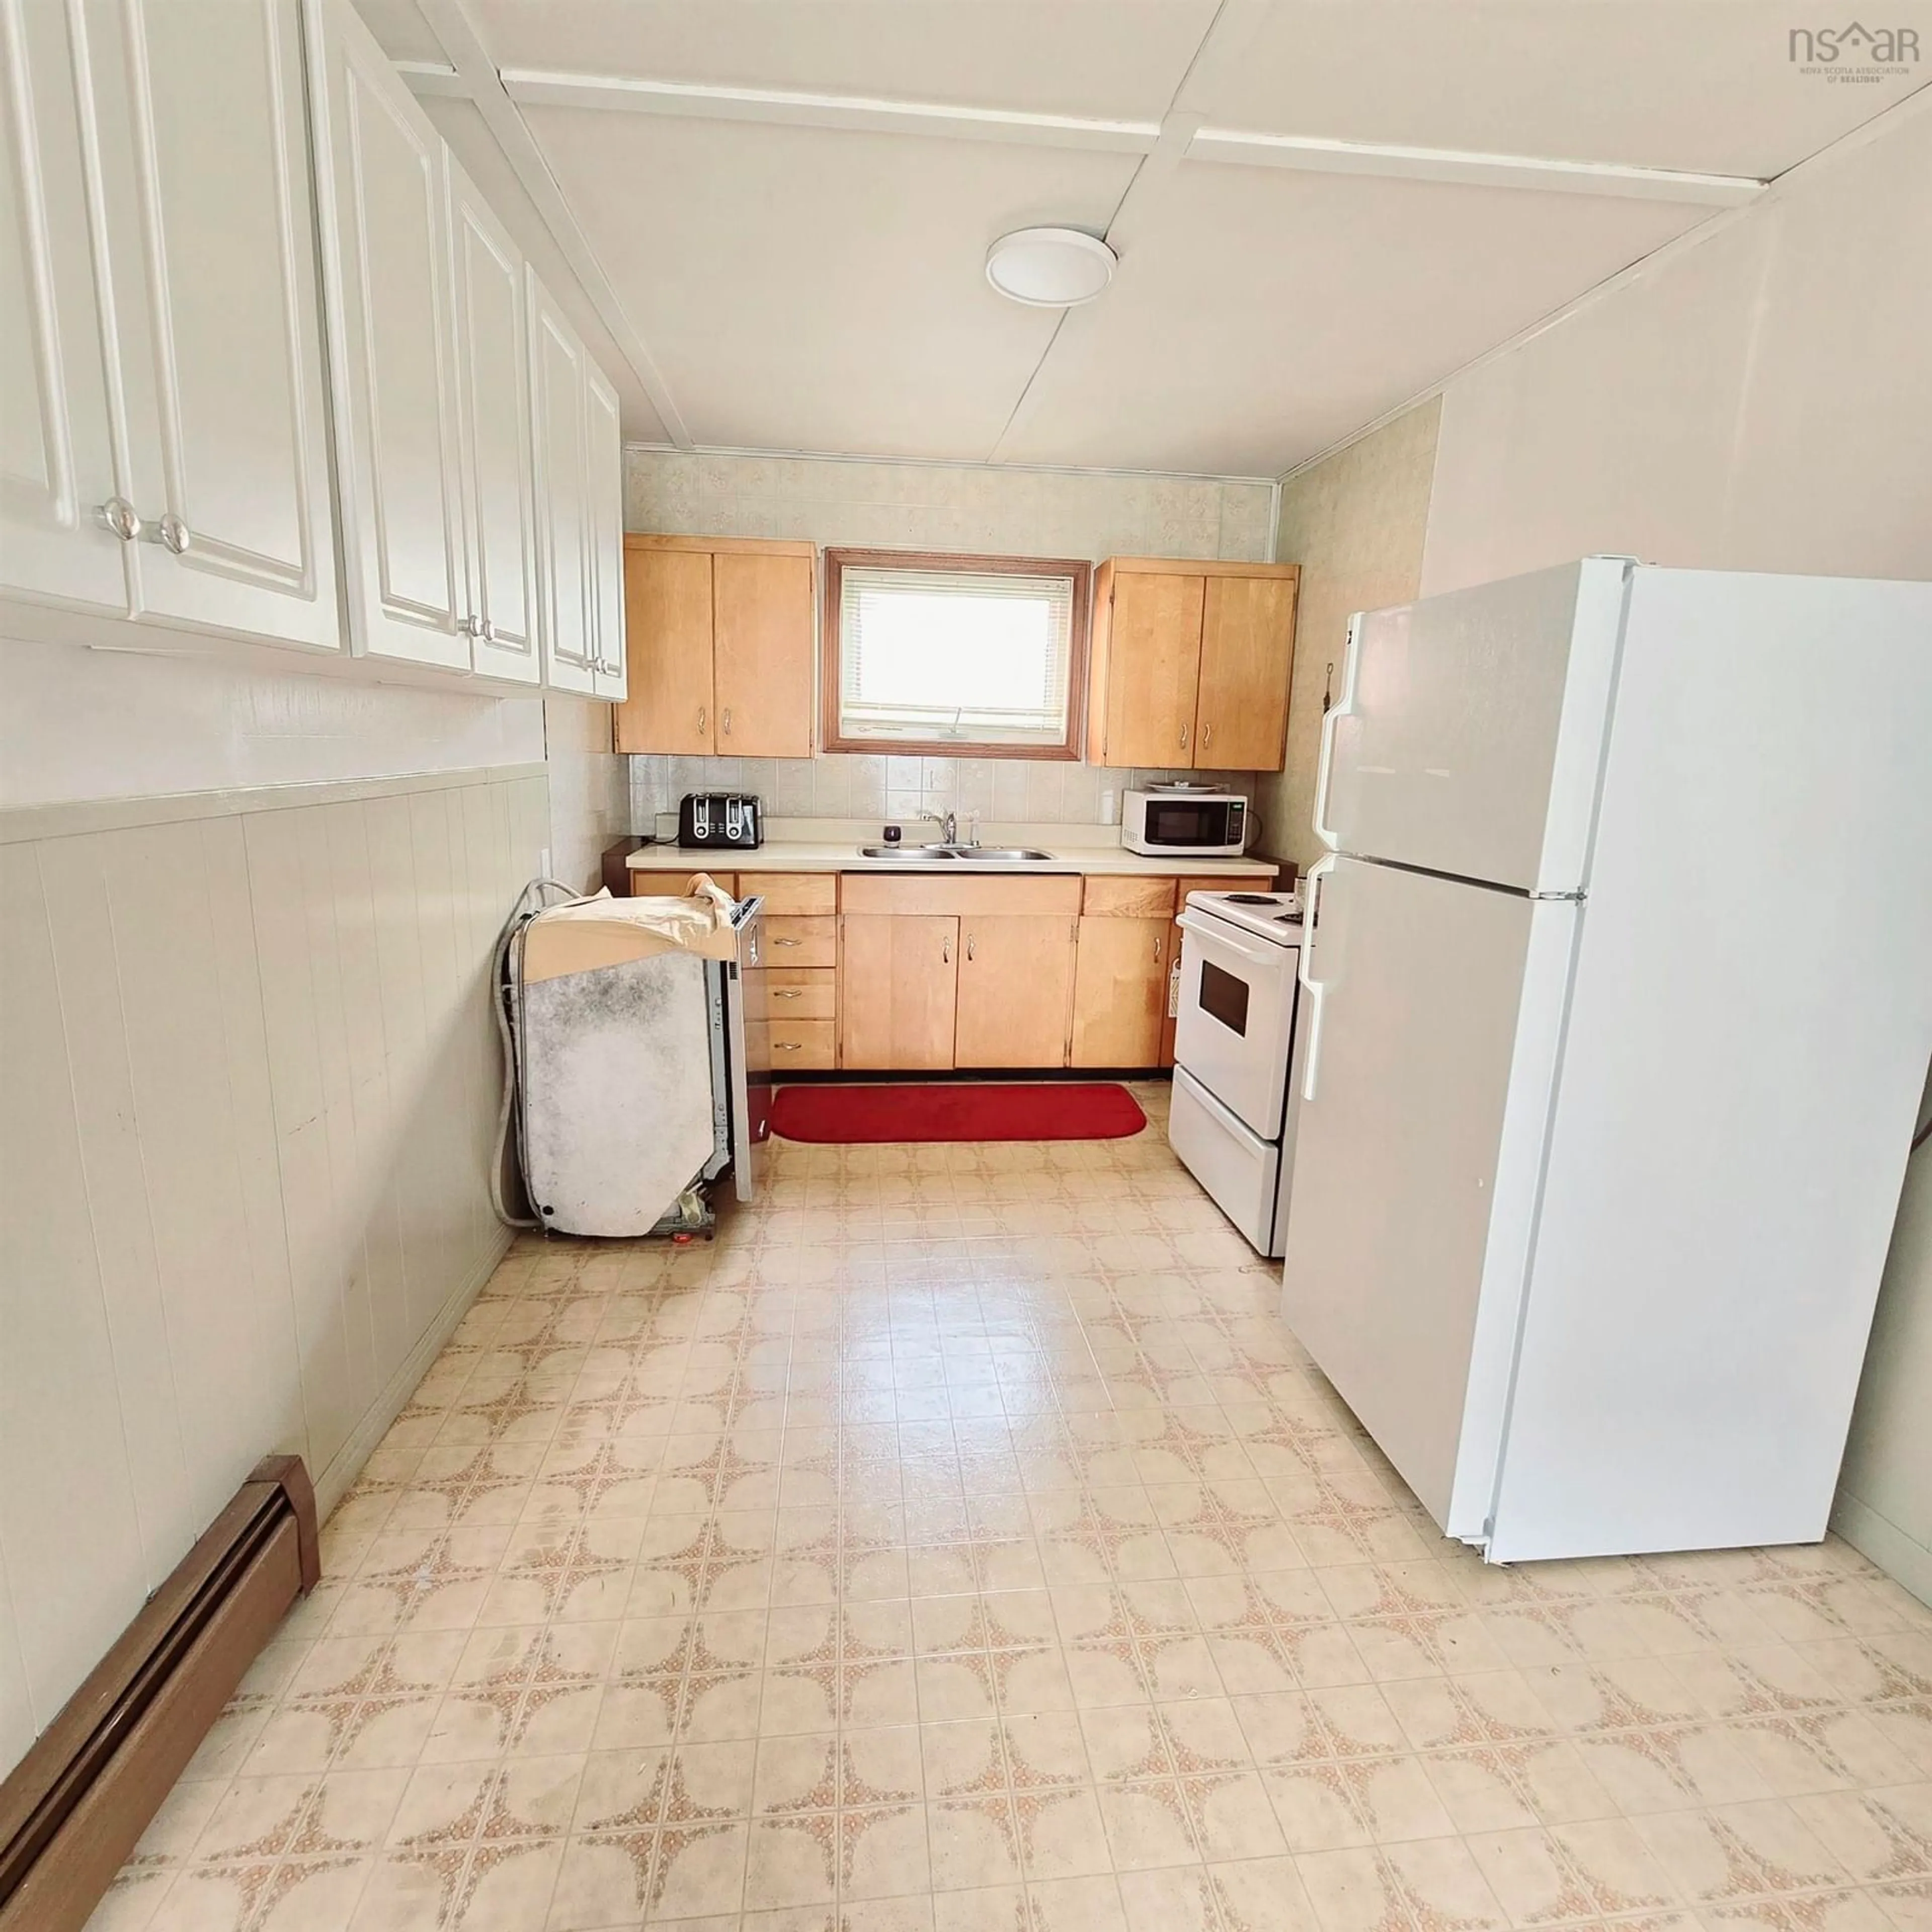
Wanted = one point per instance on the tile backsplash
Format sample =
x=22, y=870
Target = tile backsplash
x=930, y=506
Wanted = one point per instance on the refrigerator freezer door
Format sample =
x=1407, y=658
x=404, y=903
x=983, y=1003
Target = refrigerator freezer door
x=1418, y=1147
x=1469, y=736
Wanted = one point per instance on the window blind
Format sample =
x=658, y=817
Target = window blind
x=939, y=654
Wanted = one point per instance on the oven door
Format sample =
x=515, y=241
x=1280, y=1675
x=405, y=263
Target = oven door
x=1235, y=1030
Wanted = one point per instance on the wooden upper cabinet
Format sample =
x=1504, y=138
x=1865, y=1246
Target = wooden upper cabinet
x=718, y=636
x=1191, y=664
x=667, y=640
x=762, y=658
x=1247, y=638
x=1147, y=664
x=1015, y=986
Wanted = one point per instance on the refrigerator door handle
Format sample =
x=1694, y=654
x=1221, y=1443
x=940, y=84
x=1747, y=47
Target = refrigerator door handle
x=1343, y=707
x=1311, y=902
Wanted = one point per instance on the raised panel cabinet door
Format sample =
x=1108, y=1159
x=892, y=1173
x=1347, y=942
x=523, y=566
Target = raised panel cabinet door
x=493, y=387
x=1120, y=991
x=386, y=266
x=603, y=450
x=1153, y=665
x=667, y=626
x=1247, y=647
x=762, y=666
x=57, y=479
x=207, y=192
x=898, y=982
x=559, y=423
x=1015, y=984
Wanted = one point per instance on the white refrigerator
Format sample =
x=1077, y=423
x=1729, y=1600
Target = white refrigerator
x=1618, y=979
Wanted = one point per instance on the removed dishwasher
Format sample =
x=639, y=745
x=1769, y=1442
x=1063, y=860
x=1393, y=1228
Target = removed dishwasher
x=627, y=1073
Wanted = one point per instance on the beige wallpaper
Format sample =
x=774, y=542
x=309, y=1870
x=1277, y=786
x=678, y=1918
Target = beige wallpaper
x=929, y=506
x=1355, y=524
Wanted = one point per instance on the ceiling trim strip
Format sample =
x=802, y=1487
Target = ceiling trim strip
x=1245, y=149
x=775, y=108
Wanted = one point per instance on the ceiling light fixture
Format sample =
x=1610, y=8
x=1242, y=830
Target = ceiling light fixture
x=1050, y=268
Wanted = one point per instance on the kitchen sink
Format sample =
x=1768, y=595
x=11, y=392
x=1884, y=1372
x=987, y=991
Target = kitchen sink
x=965, y=855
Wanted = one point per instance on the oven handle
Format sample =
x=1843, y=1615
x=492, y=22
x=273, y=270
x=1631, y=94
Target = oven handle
x=1311, y=900
x=1264, y=955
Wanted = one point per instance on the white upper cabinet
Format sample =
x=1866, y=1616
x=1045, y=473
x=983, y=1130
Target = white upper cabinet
x=386, y=265
x=493, y=398
x=605, y=446
x=559, y=371
x=164, y=440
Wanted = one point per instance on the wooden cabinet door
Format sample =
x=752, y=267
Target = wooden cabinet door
x=1247, y=644
x=57, y=433
x=210, y=233
x=1120, y=991
x=1015, y=983
x=1154, y=666
x=493, y=419
x=667, y=632
x=558, y=428
x=761, y=609
x=899, y=976
x=604, y=451
x=385, y=230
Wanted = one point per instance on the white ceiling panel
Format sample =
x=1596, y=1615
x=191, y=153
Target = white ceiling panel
x=400, y=30
x=475, y=148
x=1118, y=59
x=803, y=290
x=1267, y=314
x=1704, y=85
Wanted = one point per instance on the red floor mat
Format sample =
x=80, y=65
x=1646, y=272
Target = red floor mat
x=945, y=1111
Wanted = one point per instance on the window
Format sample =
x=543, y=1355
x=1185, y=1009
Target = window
x=982, y=655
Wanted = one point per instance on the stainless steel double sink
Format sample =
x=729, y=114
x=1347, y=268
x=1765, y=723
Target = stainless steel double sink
x=965, y=855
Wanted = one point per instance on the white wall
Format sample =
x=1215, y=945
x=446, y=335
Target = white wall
x=250, y=1076
x=960, y=507
x=1759, y=399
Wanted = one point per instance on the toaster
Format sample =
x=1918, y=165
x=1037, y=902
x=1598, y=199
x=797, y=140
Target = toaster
x=721, y=821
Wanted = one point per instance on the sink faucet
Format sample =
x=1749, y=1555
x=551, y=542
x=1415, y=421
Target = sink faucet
x=948, y=823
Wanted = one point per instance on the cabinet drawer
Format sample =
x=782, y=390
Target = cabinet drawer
x=791, y=940
x=791, y=892
x=934, y=894
x=787, y=1046
x=1127, y=899
x=671, y=885
x=809, y=994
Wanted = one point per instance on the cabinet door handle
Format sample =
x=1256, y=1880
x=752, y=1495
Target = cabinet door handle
x=119, y=518
x=701, y=714
x=1207, y=732
x=787, y=993
x=946, y=952
x=727, y=719
x=1184, y=737
x=1157, y=948
x=172, y=534
x=969, y=945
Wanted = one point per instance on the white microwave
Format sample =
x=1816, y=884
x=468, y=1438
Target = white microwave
x=1199, y=824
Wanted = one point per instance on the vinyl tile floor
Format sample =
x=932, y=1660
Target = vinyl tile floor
x=961, y=1543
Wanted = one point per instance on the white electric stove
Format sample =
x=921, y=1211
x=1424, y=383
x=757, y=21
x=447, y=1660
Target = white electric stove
x=1230, y=1121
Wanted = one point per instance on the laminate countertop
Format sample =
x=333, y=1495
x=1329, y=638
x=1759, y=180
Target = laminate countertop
x=783, y=855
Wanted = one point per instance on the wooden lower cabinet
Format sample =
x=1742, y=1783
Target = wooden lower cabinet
x=1015, y=983
x=1120, y=991
x=898, y=985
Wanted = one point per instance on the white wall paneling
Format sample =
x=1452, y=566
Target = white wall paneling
x=252, y=1080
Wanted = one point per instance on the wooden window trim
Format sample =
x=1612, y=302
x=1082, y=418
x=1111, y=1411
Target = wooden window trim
x=1078, y=644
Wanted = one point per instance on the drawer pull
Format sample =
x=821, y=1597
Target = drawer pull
x=787, y=993
x=787, y=942
x=787, y=1046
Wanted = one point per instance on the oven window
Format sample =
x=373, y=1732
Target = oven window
x=1225, y=997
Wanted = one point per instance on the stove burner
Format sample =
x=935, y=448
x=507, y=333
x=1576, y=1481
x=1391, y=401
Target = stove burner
x=1252, y=898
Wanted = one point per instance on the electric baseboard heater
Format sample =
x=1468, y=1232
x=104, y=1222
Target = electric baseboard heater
x=76, y=1804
